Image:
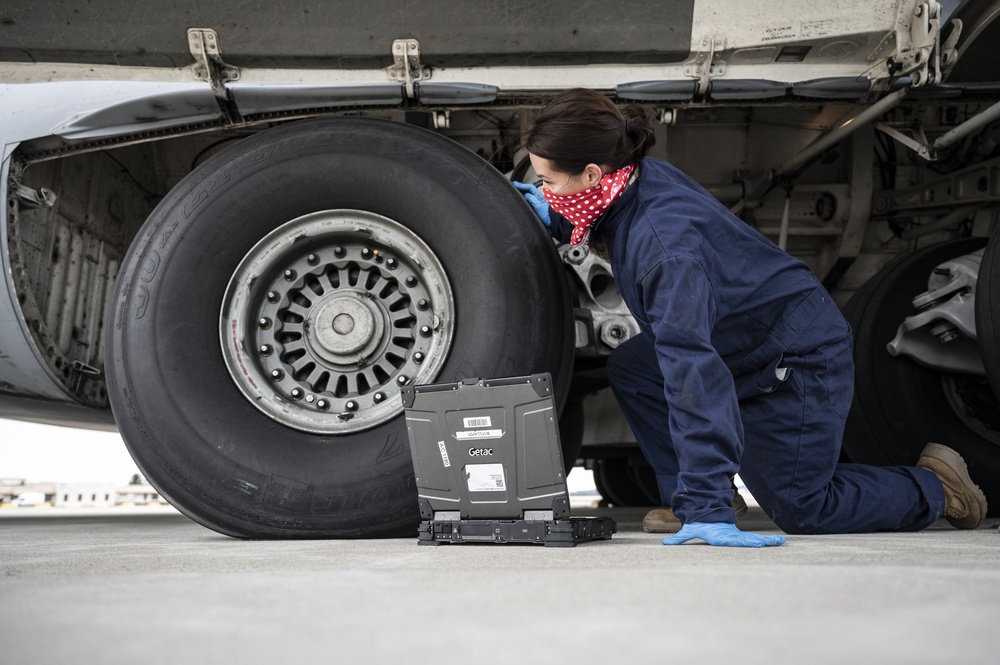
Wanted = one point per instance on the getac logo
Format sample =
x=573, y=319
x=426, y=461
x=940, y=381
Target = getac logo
x=480, y=452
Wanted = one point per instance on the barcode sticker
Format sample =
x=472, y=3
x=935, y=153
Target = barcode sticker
x=486, y=478
x=480, y=421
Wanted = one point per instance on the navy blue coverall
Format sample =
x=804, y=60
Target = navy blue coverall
x=744, y=364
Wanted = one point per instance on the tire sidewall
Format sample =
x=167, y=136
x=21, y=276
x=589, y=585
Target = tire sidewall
x=988, y=309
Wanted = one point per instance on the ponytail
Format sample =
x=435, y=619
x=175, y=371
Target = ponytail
x=580, y=127
x=640, y=123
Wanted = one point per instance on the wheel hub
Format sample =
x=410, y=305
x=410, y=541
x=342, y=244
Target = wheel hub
x=344, y=329
x=330, y=315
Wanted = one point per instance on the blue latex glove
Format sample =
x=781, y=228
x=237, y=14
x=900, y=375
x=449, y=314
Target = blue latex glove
x=722, y=534
x=534, y=196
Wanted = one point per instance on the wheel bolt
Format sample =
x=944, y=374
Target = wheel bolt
x=265, y=349
x=339, y=252
x=264, y=323
x=277, y=374
x=391, y=264
x=402, y=380
x=289, y=274
x=379, y=397
x=297, y=393
x=425, y=331
x=411, y=281
x=366, y=253
x=418, y=357
x=272, y=296
x=310, y=398
x=312, y=259
x=422, y=304
x=351, y=406
x=322, y=404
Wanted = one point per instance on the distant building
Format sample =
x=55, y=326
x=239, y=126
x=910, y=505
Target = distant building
x=12, y=488
x=138, y=495
x=84, y=495
x=74, y=495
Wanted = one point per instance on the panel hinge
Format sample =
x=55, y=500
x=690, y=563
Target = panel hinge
x=406, y=65
x=203, y=44
x=42, y=197
x=706, y=63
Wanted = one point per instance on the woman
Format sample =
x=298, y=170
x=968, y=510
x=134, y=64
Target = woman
x=743, y=364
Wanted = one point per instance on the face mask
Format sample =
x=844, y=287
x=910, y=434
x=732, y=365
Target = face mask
x=583, y=208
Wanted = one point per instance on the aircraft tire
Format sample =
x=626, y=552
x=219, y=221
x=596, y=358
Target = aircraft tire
x=264, y=245
x=899, y=405
x=616, y=482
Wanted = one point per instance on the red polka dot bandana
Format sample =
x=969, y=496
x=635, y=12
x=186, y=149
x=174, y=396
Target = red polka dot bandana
x=583, y=208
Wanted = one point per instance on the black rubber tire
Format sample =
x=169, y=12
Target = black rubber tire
x=615, y=480
x=195, y=437
x=645, y=479
x=988, y=309
x=571, y=426
x=899, y=406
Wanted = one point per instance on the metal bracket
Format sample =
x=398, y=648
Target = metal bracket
x=84, y=371
x=704, y=64
x=976, y=184
x=406, y=65
x=942, y=334
x=442, y=119
x=931, y=151
x=917, y=142
x=924, y=32
x=42, y=197
x=203, y=43
x=602, y=321
x=666, y=116
x=948, y=53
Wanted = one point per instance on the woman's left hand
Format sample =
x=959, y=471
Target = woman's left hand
x=722, y=534
x=537, y=200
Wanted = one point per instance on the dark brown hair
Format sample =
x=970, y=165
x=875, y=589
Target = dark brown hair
x=580, y=127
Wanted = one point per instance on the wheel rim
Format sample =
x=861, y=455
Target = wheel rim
x=330, y=314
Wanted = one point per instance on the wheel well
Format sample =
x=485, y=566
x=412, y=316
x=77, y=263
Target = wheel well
x=65, y=254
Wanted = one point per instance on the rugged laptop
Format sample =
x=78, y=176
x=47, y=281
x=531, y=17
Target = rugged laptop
x=489, y=466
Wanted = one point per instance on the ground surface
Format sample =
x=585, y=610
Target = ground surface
x=153, y=587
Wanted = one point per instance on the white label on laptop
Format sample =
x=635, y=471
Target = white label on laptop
x=480, y=421
x=444, y=453
x=486, y=478
x=479, y=434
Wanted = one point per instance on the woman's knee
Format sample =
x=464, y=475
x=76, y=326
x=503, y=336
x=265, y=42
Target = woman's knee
x=799, y=518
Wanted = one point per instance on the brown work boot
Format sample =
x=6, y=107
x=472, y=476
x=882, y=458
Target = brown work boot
x=739, y=504
x=965, y=503
x=663, y=520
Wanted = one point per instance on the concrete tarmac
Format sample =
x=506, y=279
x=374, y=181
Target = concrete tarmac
x=151, y=588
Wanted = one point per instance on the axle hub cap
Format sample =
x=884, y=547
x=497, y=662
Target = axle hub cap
x=345, y=328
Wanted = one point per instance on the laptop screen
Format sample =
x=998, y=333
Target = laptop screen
x=487, y=449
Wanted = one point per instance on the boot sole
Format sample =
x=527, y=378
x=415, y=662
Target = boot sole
x=661, y=527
